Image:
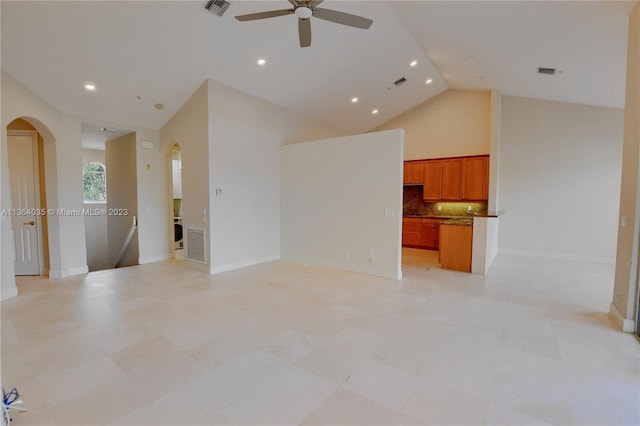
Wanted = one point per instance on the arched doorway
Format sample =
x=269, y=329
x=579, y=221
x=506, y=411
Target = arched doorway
x=176, y=199
x=28, y=188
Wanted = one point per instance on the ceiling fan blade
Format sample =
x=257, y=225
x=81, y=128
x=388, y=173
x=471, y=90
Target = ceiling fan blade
x=294, y=3
x=264, y=15
x=314, y=3
x=304, y=32
x=342, y=18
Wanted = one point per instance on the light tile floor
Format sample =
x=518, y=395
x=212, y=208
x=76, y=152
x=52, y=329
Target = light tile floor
x=281, y=344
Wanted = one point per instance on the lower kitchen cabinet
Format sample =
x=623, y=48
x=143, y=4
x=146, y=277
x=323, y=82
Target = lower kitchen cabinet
x=412, y=231
x=420, y=232
x=455, y=247
x=430, y=233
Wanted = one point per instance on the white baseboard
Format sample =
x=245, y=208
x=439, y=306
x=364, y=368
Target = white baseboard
x=559, y=256
x=78, y=270
x=8, y=293
x=64, y=273
x=153, y=259
x=242, y=264
x=625, y=324
x=55, y=273
x=196, y=266
x=351, y=267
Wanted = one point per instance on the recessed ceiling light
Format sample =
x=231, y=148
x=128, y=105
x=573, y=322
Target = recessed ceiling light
x=354, y=100
x=261, y=61
x=158, y=106
x=471, y=58
x=480, y=77
x=413, y=63
x=374, y=112
x=90, y=87
x=429, y=81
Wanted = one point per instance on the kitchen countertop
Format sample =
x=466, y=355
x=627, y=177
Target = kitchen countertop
x=458, y=222
x=447, y=217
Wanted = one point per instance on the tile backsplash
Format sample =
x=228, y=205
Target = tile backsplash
x=413, y=204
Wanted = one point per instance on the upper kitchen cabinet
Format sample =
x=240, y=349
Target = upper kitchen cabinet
x=452, y=179
x=413, y=172
x=456, y=179
x=475, y=178
x=432, y=189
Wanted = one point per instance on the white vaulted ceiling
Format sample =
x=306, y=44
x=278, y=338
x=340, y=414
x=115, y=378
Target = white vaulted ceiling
x=148, y=52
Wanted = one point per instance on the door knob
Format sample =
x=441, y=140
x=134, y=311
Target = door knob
x=30, y=223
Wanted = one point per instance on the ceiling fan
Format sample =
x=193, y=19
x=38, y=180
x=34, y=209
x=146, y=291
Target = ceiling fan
x=304, y=10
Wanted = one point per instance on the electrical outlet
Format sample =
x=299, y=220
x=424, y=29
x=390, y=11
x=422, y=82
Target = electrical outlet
x=218, y=192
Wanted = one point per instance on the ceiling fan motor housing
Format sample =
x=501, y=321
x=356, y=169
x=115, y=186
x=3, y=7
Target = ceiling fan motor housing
x=303, y=12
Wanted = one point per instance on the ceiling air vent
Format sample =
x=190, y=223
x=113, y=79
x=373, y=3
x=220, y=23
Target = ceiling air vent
x=217, y=7
x=400, y=81
x=548, y=71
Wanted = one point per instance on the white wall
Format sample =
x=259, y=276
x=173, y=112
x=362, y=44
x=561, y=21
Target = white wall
x=245, y=136
x=63, y=174
x=189, y=128
x=625, y=296
x=95, y=227
x=334, y=194
x=122, y=197
x=559, y=181
x=454, y=123
x=154, y=234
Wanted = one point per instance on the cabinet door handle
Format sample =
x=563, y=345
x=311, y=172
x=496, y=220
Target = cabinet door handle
x=30, y=223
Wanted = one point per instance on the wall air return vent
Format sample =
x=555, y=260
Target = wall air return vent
x=217, y=7
x=195, y=245
x=547, y=71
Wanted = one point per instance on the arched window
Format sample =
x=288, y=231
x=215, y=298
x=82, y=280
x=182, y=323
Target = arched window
x=95, y=182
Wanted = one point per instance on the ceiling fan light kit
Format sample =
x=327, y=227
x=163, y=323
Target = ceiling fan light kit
x=304, y=10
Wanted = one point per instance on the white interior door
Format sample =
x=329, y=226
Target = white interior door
x=24, y=221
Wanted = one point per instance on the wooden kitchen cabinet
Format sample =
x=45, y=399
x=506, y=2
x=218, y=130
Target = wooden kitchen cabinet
x=430, y=233
x=475, y=178
x=413, y=172
x=432, y=189
x=455, y=247
x=452, y=179
x=412, y=231
x=456, y=179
